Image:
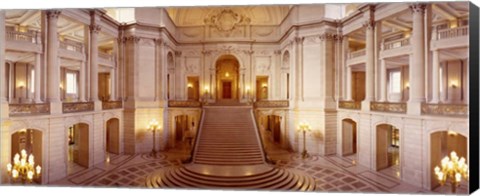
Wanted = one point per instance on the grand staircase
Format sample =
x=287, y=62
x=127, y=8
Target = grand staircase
x=228, y=155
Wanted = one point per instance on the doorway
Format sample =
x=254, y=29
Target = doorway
x=78, y=148
x=227, y=90
x=227, y=78
x=349, y=137
x=113, y=136
x=388, y=150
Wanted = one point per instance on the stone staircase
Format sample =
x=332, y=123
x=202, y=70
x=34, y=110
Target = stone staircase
x=229, y=155
x=228, y=137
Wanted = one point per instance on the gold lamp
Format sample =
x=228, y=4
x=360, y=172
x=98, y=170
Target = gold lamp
x=452, y=168
x=23, y=167
x=304, y=127
x=153, y=125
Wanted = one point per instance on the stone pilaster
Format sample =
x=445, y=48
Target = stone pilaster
x=53, y=67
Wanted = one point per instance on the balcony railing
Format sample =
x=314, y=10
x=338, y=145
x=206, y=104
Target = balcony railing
x=460, y=110
x=71, y=45
x=452, y=32
x=271, y=104
x=357, y=53
x=186, y=104
x=71, y=107
x=396, y=43
x=30, y=36
x=108, y=105
x=105, y=56
x=29, y=109
x=354, y=105
x=388, y=107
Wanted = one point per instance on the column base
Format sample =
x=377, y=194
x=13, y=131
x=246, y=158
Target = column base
x=56, y=107
x=97, y=105
x=366, y=105
x=414, y=108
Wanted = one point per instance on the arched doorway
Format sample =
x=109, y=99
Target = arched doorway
x=78, y=147
x=113, y=136
x=31, y=141
x=388, y=150
x=349, y=137
x=273, y=127
x=442, y=143
x=227, y=76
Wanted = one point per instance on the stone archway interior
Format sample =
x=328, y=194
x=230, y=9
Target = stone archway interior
x=78, y=144
x=227, y=77
x=349, y=137
x=113, y=136
x=387, y=147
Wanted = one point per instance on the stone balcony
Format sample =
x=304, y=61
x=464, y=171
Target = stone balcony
x=271, y=104
x=184, y=103
x=450, y=38
x=454, y=110
x=29, y=41
x=72, y=107
x=352, y=105
x=390, y=107
x=356, y=57
x=29, y=109
x=109, y=105
x=396, y=47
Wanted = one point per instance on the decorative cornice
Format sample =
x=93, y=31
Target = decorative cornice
x=206, y=52
x=328, y=36
x=178, y=53
x=53, y=13
x=418, y=8
x=277, y=52
x=132, y=39
x=159, y=41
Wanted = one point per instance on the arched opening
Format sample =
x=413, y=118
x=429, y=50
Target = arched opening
x=184, y=131
x=78, y=147
x=272, y=127
x=442, y=143
x=113, y=136
x=31, y=141
x=227, y=75
x=388, y=150
x=349, y=137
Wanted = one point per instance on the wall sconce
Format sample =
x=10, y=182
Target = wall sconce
x=453, y=84
x=227, y=74
x=61, y=86
x=206, y=89
x=452, y=133
x=407, y=86
x=264, y=85
x=189, y=85
x=21, y=84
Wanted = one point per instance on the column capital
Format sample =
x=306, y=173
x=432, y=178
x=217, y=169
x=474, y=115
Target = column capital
x=95, y=28
x=369, y=24
x=277, y=52
x=134, y=39
x=206, y=52
x=53, y=13
x=328, y=36
x=298, y=39
x=418, y=8
x=178, y=53
x=158, y=40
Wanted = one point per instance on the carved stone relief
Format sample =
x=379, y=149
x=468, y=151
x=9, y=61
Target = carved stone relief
x=192, y=65
x=262, y=65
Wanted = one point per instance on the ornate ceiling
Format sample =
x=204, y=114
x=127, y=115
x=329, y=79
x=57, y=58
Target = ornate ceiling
x=258, y=15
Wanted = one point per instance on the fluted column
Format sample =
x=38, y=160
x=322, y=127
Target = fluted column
x=417, y=68
x=53, y=68
x=348, y=85
x=38, y=60
x=370, y=63
x=3, y=67
x=383, y=81
x=94, y=30
x=81, y=84
x=435, y=77
x=299, y=68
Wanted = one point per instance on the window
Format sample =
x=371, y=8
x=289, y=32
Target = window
x=32, y=81
x=395, y=82
x=71, y=83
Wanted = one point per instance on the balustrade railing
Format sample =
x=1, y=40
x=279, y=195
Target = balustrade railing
x=29, y=36
x=388, y=107
x=460, y=110
x=71, y=45
x=108, y=105
x=396, y=43
x=29, y=109
x=357, y=53
x=452, y=32
x=105, y=56
x=271, y=104
x=71, y=107
x=187, y=103
x=354, y=105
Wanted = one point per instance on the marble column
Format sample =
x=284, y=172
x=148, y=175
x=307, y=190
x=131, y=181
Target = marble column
x=344, y=65
x=53, y=68
x=94, y=31
x=348, y=85
x=81, y=84
x=370, y=63
x=38, y=60
x=417, y=68
x=435, y=77
x=3, y=66
x=383, y=81
x=113, y=82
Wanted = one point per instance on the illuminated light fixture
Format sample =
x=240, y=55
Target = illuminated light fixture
x=61, y=86
x=453, y=168
x=227, y=74
x=453, y=84
x=452, y=133
x=264, y=85
x=21, y=84
x=407, y=85
x=23, y=167
x=189, y=85
x=304, y=127
x=153, y=125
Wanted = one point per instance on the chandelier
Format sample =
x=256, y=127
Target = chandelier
x=452, y=168
x=23, y=169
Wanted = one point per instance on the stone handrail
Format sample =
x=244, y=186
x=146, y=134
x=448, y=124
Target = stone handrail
x=396, y=43
x=108, y=105
x=388, y=107
x=29, y=109
x=460, y=110
x=271, y=104
x=452, y=32
x=187, y=104
x=30, y=36
x=357, y=53
x=354, y=105
x=71, y=107
x=71, y=45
